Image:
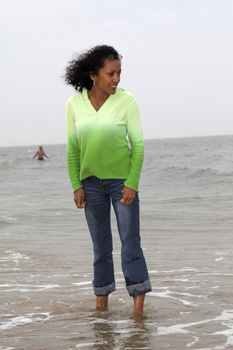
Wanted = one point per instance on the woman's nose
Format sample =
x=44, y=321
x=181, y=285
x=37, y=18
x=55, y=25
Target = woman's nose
x=116, y=79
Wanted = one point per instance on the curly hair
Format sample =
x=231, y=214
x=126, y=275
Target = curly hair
x=79, y=69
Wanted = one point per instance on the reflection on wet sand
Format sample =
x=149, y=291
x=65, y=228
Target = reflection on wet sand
x=120, y=334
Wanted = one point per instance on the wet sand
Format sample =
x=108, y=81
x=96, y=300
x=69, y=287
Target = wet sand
x=46, y=305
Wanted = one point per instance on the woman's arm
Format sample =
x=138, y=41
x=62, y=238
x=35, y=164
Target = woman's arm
x=72, y=149
x=135, y=135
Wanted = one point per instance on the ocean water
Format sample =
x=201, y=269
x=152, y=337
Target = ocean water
x=46, y=298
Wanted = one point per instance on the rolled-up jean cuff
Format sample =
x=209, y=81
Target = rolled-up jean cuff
x=140, y=288
x=104, y=290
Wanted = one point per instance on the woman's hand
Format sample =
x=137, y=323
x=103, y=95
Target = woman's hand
x=128, y=195
x=79, y=198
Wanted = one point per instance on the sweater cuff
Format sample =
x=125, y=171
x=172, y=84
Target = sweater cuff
x=77, y=187
x=131, y=184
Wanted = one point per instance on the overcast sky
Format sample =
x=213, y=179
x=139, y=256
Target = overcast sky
x=177, y=60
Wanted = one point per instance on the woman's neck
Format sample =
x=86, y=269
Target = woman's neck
x=97, y=97
x=98, y=94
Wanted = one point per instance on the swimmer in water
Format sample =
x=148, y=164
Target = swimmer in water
x=40, y=154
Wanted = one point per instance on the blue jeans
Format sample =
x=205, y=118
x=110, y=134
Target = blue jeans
x=98, y=195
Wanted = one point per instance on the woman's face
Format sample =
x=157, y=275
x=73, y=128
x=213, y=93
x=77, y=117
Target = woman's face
x=108, y=76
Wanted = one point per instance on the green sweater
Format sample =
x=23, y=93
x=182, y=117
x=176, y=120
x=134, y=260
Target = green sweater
x=107, y=143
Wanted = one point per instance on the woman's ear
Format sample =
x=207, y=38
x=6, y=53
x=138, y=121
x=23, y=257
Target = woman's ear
x=92, y=76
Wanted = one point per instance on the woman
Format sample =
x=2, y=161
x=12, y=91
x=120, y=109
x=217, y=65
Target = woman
x=105, y=156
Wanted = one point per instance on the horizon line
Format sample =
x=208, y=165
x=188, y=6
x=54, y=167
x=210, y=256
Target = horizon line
x=145, y=139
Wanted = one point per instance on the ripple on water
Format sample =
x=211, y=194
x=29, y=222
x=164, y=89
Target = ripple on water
x=22, y=288
x=175, y=296
x=22, y=320
x=10, y=260
x=225, y=318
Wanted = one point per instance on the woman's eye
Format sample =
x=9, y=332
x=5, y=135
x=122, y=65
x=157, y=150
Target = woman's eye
x=111, y=74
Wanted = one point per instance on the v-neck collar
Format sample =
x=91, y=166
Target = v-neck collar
x=90, y=104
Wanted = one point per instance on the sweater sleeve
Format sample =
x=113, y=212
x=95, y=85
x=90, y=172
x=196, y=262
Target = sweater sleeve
x=135, y=136
x=72, y=149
